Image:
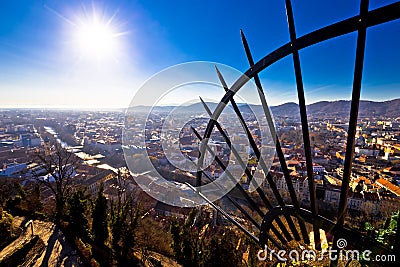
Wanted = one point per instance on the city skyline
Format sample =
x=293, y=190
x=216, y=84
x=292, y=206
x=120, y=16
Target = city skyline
x=84, y=54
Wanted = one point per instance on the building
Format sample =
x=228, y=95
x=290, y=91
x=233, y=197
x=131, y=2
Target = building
x=93, y=184
x=12, y=169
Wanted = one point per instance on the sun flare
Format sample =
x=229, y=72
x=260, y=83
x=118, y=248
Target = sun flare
x=97, y=39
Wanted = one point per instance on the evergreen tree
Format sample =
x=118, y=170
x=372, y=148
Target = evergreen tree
x=34, y=201
x=175, y=230
x=124, y=221
x=6, y=225
x=100, y=218
x=189, y=240
x=128, y=239
x=222, y=250
x=124, y=217
x=78, y=204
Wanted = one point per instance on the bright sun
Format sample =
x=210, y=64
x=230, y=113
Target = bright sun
x=96, y=39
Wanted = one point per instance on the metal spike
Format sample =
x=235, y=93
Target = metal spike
x=278, y=148
x=241, y=190
x=304, y=123
x=232, y=220
x=248, y=174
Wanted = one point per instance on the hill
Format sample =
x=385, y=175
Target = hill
x=390, y=108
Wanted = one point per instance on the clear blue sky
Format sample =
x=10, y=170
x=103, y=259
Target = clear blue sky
x=45, y=61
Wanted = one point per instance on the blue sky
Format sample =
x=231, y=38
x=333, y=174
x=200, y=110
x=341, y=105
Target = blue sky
x=43, y=63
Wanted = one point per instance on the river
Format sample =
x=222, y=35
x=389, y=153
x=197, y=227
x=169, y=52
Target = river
x=54, y=133
x=77, y=150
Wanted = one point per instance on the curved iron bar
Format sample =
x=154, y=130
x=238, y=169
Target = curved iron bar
x=354, y=238
x=243, y=192
x=235, y=203
x=229, y=217
x=375, y=17
x=371, y=18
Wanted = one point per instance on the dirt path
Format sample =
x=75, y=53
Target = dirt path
x=165, y=261
x=57, y=252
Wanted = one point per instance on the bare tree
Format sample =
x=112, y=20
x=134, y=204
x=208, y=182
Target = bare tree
x=59, y=165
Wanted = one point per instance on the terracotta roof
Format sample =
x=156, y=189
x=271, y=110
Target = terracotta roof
x=293, y=162
x=362, y=178
x=389, y=186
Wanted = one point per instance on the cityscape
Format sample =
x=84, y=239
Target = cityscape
x=133, y=133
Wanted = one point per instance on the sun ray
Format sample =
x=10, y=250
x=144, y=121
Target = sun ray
x=64, y=18
x=96, y=35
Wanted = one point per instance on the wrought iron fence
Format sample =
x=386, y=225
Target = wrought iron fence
x=273, y=220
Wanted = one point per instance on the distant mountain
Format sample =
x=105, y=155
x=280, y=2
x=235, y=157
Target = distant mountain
x=286, y=110
x=367, y=108
x=389, y=108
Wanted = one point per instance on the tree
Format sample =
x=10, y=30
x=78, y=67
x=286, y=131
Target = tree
x=34, y=201
x=8, y=190
x=387, y=233
x=15, y=204
x=78, y=204
x=182, y=241
x=197, y=243
x=59, y=166
x=124, y=221
x=100, y=218
x=6, y=225
x=22, y=201
x=222, y=250
x=152, y=236
x=189, y=240
x=128, y=239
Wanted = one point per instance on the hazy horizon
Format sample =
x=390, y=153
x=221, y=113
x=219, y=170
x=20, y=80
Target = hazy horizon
x=64, y=108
